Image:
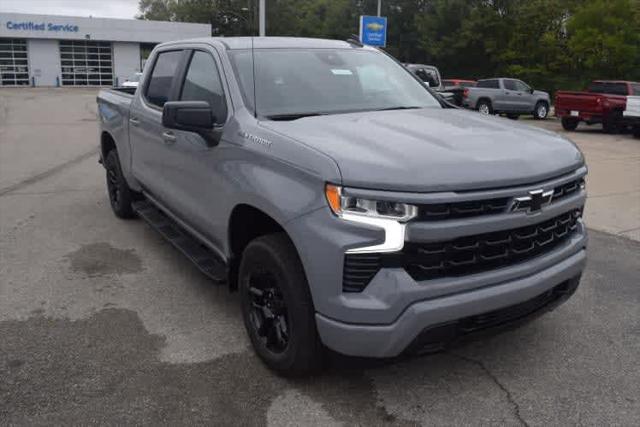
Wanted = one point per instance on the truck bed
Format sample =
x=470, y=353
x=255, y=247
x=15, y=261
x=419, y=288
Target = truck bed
x=587, y=104
x=113, y=111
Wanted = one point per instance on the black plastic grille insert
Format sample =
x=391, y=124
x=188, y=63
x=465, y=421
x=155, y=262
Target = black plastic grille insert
x=465, y=255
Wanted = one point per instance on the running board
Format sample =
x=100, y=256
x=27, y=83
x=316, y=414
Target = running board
x=206, y=260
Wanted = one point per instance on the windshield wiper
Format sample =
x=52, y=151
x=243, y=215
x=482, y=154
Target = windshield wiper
x=292, y=116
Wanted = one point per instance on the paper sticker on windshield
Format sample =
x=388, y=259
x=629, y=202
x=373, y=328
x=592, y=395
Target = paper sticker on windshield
x=340, y=72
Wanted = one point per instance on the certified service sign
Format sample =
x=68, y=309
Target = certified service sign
x=373, y=30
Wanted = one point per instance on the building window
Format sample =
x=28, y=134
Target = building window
x=14, y=65
x=86, y=63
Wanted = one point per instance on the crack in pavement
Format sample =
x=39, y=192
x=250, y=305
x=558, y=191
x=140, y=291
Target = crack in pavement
x=46, y=174
x=496, y=381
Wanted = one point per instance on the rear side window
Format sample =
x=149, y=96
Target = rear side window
x=636, y=88
x=203, y=83
x=491, y=84
x=161, y=77
x=608, y=88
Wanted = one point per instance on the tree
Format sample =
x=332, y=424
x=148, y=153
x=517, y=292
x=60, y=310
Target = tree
x=604, y=40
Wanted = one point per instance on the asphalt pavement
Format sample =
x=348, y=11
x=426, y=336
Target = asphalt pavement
x=102, y=322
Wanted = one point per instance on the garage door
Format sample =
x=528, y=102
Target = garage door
x=86, y=63
x=14, y=65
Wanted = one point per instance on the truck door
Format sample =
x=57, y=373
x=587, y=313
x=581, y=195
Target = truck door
x=149, y=142
x=192, y=165
x=509, y=95
x=525, y=101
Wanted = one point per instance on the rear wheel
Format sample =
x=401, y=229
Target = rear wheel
x=541, y=111
x=276, y=306
x=610, y=124
x=484, y=107
x=569, y=123
x=120, y=195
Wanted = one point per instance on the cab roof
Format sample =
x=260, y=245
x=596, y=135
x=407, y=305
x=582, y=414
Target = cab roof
x=232, y=43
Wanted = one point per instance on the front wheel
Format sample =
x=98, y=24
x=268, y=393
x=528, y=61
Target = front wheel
x=569, y=123
x=277, y=309
x=541, y=111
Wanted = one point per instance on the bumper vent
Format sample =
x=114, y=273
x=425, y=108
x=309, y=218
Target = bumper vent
x=463, y=256
x=358, y=271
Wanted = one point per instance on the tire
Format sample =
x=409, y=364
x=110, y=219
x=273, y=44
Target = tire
x=569, y=123
x=513, y=116
x=277, y=309
x=610, y=123
x=120, y=195
x=484, y=107
x=541, y=110
x=636, y=131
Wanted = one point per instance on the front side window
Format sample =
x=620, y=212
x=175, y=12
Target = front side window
x=636, y=88
x=510, y=85
x=427, y=76
x=522, y=87
x=203, y=83
x=162, y=76
x=326, y=81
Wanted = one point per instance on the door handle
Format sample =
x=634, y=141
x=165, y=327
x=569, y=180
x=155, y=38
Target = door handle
x=169, y=137
x=134, y=121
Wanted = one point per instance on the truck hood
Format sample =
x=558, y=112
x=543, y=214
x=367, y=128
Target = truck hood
x=433, y=149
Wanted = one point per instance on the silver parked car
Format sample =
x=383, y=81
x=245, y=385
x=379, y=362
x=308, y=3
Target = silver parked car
x=509, y=96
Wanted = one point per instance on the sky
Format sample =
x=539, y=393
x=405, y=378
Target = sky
x=85, y=8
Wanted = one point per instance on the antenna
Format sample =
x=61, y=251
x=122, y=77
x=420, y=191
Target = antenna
x=253, y=66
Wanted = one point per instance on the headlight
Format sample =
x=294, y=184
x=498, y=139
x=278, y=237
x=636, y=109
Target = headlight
x=341, y=205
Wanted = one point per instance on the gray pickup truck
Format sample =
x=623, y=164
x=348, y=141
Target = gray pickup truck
x=350, y=208
x=507, y=96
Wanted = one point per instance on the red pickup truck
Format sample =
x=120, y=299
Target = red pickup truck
x=603, y=102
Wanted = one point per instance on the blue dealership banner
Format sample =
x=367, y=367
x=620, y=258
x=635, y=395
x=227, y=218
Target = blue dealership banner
x=373, y=30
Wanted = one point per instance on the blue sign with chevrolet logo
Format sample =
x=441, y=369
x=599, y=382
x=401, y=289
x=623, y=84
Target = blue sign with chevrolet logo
x=373, y=30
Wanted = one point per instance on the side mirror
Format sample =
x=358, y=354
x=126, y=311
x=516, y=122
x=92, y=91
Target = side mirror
x=192, y=116
x=531, y=90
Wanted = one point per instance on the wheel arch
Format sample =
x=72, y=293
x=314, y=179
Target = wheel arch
x=107, y=143
x=247, y=222
x=484, y=98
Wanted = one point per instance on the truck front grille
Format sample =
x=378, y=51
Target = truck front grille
x=482, y=207
x=465, y=255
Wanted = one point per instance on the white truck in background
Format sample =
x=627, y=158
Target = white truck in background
x=631, y=114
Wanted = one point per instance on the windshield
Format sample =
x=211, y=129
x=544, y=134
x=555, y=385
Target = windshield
x=297, y=82
x=134, y=78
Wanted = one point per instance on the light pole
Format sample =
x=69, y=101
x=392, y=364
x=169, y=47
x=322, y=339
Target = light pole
x=263, y=18
x=379, y=7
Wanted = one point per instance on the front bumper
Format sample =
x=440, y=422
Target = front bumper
x=392, y=339
x=395, y=307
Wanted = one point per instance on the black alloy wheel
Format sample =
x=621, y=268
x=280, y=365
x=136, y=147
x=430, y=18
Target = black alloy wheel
x=268, y=312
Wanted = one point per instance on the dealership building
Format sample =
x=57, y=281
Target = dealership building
x=45, y=50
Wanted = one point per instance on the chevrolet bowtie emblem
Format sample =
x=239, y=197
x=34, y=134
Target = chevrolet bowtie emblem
x=533, y=202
